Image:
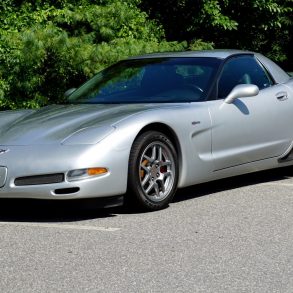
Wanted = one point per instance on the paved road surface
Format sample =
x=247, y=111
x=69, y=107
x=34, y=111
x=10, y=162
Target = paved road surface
x=234, y=235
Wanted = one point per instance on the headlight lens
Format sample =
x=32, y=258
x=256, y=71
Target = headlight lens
x=89, y=135
x=80, y=174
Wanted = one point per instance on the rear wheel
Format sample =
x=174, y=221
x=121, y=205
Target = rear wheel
x=153, y=171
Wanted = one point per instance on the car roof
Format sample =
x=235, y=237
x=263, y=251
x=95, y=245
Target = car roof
x=279, y=75
x=217, y=53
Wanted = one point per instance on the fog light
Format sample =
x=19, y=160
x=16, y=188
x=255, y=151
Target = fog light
x=80, y=174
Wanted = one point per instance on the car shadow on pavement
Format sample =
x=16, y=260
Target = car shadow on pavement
x=30, y=210
x=27, y=210
x=232, y=183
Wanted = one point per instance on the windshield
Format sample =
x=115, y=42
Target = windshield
x=157, y=80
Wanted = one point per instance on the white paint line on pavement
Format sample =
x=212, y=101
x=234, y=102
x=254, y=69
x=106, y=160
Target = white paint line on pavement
x=60, y=226
x=277, y=184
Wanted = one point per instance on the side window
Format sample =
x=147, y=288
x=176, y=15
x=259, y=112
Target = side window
x=242, y=70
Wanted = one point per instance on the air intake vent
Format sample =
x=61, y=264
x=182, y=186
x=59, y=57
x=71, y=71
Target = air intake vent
x=39, y=179
x=67, y=190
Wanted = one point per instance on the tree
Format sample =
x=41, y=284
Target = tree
x=48, y=47
x=259, y=25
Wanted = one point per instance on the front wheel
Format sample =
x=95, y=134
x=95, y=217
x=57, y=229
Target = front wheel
x=153, y=171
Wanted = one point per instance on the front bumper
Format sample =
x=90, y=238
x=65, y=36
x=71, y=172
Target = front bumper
x=96, y=187
x=48, y=159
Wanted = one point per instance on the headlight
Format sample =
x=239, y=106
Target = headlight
x=89, y=135
x=80, y=174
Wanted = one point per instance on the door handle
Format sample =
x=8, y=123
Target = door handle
x=282, y=96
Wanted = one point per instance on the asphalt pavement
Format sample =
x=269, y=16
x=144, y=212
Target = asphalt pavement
x=232, y=235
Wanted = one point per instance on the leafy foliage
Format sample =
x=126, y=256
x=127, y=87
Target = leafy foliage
x=48, y=46
x=66, y=45
x=258, y=25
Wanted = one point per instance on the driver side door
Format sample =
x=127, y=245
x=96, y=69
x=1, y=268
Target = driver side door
x=252, y=128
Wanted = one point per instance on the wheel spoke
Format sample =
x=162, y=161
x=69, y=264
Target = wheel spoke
x=145, y=168
x=160, y=157
x=162, y=185
x=166, y=163
x=148, y=158
x=150, y=187
x=157, y=190
x=154, y=153
x=167, y=174
x=146, y=179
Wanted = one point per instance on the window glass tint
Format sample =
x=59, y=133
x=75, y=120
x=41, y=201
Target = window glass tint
x=242, y=70
x=150, y=81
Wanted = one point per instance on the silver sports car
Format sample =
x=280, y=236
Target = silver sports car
x=150, y=124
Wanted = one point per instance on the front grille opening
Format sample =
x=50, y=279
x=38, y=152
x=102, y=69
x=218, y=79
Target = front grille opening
x=67, y=190
x=39, y=179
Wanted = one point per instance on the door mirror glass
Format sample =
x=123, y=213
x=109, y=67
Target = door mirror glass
x=242, y=91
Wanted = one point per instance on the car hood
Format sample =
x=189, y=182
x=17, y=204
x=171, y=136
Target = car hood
x=53, y=124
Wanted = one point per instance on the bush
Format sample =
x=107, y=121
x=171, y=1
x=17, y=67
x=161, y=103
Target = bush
x=66, y=45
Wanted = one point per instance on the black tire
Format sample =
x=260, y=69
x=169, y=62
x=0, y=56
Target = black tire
x=152, y=172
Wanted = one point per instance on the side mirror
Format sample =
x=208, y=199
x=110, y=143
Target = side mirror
x=69, y=92
x=242, y=91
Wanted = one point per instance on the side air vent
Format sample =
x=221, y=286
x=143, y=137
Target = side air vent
x=39, y=179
